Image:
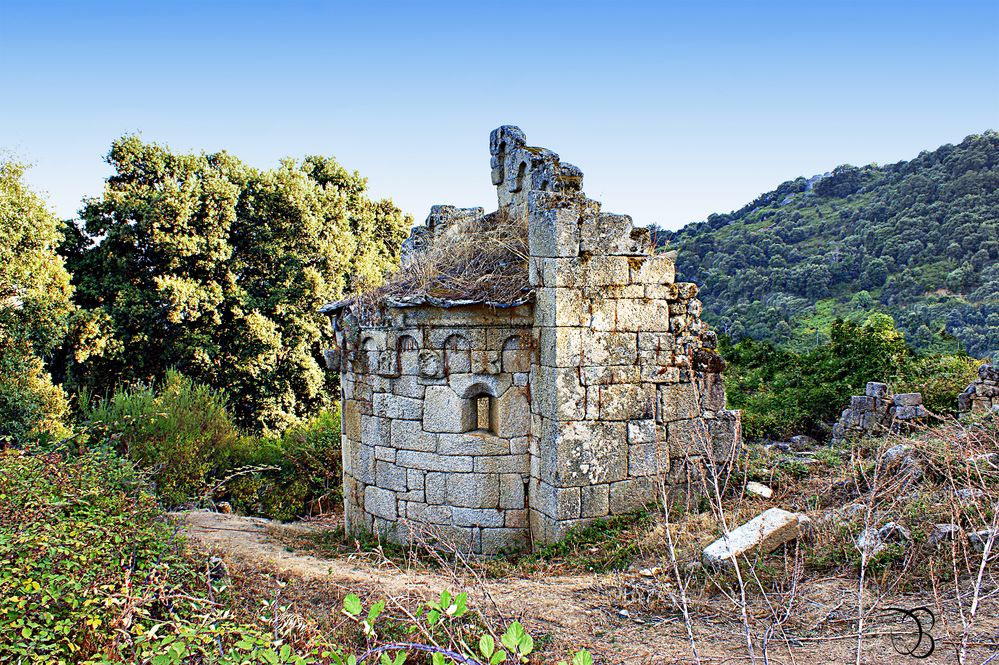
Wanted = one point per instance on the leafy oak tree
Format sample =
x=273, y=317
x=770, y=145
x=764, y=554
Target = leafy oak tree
x=200, y=263
x=35, y=307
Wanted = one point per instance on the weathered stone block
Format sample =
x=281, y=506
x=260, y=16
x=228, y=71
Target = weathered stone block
x=375, y=430
x=472, y=490
x=559, y=307
x=433, y=462
x=512, y=413
x=472, y=443
x=380, y=502
x=511, y=491
x=560, y=347
x=496, y=540
x=656, y=270
x=764, y=532
x=646, y=459
x=609, y=348
x=557, y=393
x=444, y=411
x=644, y=431
x=632, y=494
x=606, y=375
x=635, y=315
x=594, y=500
x=384, y=453
x=430, y=363
x=627, y=402
x=603, y=315
x=481, y=517
x=908, y=399
x=422, y=512
x=517, y=519
x=517, y=360
x=554, y=231
x=408, y=386
x=583, y=453
x=409, y=435
x=657, y=373
x=387, y=405
x=689, y=438
x=435, y=486
x=391, y=477
x=502, y=464
x=678, y=401
x=351, y=420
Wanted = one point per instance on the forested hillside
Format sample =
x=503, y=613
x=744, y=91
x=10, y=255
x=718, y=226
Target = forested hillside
x=918, y=240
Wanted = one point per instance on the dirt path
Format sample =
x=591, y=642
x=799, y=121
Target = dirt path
x=574, y=610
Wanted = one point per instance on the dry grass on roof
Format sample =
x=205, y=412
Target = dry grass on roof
x=483, y=260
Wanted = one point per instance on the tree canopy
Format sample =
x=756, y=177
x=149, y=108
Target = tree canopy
x=35, y=306
x=203, y=264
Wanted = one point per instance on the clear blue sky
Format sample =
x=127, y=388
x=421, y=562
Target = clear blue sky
x=673, y=110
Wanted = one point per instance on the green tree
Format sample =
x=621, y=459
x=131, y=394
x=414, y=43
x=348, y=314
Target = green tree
x=35, y=307
x=201, y=263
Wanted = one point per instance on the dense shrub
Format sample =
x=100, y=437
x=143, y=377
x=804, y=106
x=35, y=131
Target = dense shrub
x=180, y=431
x=940, y=378
x=304, y=475
x=183, y=433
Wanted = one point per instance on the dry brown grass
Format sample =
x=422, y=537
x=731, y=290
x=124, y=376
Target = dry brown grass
x=481, y=260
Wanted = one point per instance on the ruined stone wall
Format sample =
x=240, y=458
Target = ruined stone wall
x=878, y=411
x=625, y=386
x=502, y=427
x=420, y=461
x=983, y=394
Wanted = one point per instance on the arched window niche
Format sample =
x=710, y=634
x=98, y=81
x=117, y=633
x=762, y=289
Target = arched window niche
x=479, y=404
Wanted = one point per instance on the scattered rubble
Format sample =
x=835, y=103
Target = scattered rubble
x=979, y=539
x=942, y=532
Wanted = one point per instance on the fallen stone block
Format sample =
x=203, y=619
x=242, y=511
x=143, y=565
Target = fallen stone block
x=765, y=532
x=759, y=489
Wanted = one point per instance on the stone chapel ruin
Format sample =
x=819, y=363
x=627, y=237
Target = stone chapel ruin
x=526, y=370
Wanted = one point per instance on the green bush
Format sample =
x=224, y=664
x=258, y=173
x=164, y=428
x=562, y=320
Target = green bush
x=940, y=379
x=307, y=477
x=182, y=432
x=782, y=392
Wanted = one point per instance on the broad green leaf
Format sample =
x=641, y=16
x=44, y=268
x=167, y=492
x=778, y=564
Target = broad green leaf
x=352, y=605
x=487, y=646
x=582, y=657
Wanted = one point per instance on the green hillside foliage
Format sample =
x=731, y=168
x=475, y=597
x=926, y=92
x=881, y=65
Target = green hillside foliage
x=200, y=263
x=918, y=240
x=35, y=308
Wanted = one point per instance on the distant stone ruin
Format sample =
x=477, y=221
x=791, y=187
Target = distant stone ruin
x=982, y=395
x=494, y=404
x=878, y=411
